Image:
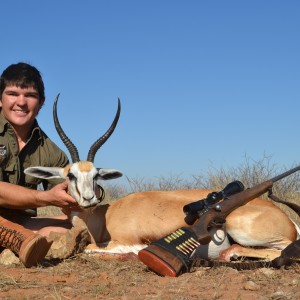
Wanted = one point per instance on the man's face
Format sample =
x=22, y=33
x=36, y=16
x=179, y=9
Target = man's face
x=20, y=106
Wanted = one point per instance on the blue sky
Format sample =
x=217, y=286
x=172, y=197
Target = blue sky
x=202, y=83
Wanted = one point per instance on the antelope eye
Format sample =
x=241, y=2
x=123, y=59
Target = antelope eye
x=71, y=176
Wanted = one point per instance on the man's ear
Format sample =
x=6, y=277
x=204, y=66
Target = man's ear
x=42, y=102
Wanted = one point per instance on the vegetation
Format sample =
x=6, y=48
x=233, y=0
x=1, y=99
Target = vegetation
x=250, y=172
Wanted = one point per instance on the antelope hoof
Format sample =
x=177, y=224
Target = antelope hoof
x=231, y=252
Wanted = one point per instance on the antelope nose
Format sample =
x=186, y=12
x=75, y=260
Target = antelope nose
x=88, y=199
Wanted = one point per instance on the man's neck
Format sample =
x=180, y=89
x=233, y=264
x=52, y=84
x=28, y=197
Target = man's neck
x=22, y=134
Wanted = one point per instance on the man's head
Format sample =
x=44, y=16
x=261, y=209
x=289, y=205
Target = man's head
x=22, y=95
x=22, y=75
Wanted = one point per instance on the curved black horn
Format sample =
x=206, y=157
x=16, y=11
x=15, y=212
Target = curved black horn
x=95, y=147
x=70, y=146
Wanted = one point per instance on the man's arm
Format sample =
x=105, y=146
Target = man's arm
x=18, y=197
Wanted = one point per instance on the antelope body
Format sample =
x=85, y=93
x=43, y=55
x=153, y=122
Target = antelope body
x=130, y=223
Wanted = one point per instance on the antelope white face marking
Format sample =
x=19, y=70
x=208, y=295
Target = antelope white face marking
x=84, y=179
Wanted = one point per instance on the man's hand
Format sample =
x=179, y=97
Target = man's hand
x=58, y=196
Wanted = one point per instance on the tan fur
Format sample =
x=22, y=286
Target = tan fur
x=66, y=170
x=85, y=166
x=141, y=218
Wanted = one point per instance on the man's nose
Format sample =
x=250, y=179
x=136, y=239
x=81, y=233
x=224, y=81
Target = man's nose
x=21, y=100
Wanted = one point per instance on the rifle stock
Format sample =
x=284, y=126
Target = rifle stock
x=172, y=255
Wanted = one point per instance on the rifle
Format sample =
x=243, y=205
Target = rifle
x=172, y=255
x=195, y=210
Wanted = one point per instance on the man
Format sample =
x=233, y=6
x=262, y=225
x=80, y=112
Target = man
x=24, y=144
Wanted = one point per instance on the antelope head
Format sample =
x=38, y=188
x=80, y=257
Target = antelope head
x=84, y=178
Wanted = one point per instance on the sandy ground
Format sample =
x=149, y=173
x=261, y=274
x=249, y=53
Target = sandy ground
x=89, y=277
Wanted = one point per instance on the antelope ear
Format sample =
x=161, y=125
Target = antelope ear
x=107, y=174
x=45, y=172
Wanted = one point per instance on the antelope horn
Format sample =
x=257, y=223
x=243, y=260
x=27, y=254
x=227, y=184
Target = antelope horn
x=95, y=147
x=70, y=146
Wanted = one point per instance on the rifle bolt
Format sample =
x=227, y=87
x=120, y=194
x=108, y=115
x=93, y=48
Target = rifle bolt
x=218, y=207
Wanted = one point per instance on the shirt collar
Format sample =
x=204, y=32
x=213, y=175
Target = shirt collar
x=35, y=130
x=3, y=122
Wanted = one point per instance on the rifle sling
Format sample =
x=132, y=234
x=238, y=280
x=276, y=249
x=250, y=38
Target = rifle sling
x=293, y=206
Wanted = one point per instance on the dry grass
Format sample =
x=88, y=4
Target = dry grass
x=250, y=173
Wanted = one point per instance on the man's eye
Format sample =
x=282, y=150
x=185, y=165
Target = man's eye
x=12, y=94
x=34, y=96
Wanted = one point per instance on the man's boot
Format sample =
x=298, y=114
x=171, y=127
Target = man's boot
x=29, y=246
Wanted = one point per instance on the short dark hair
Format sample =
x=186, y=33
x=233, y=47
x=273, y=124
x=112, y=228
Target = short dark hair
x=22, y=75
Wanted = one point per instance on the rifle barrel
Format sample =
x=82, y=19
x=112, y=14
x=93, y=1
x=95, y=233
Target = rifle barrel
x=287, y=173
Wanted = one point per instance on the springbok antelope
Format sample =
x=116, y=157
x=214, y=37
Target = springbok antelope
x=129, y=224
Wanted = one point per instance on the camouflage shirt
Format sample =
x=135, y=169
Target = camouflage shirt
x=38, y=151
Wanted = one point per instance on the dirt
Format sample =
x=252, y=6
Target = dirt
x=89, y=277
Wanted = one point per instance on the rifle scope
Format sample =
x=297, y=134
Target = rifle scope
x=193, y=210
